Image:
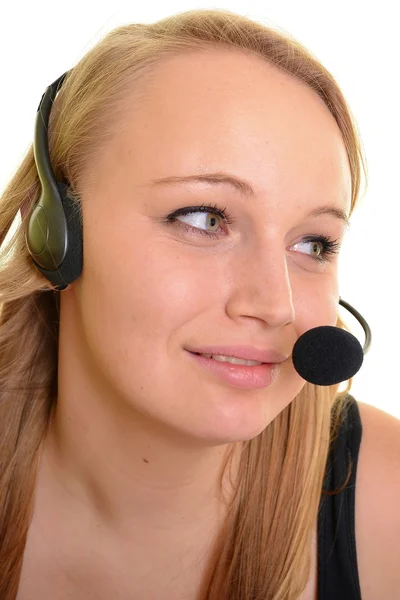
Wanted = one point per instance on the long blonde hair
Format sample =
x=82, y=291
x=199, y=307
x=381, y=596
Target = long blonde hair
x=264, y=550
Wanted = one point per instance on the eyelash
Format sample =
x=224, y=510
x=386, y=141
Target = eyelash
x=330, y=247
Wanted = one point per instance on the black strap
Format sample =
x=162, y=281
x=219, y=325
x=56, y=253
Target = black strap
x=337, y=556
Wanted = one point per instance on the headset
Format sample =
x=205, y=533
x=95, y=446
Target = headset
x=54, y=235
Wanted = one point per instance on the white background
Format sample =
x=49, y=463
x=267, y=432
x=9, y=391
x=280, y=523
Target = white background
x=357, y=41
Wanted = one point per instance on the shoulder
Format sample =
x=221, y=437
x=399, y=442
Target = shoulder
x=377, y=516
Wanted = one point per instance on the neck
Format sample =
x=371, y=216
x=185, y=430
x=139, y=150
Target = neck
x=126, y=471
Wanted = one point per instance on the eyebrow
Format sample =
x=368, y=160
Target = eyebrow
x=245, y=189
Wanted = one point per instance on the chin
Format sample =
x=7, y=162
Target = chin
x=231, y=429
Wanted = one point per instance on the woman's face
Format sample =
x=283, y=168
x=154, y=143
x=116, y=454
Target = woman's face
x=152, y=288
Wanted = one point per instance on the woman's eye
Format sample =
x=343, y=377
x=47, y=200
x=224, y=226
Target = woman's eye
x=202, y=220
x=316, y=247
x=328, y=247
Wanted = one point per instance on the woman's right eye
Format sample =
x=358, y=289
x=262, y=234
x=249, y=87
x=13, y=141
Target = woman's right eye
x=202, y=217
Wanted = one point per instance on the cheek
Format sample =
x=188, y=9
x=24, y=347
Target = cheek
x=137, y=302
x=141, y=288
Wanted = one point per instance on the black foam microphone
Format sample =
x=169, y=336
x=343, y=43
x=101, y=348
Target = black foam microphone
x=328, y=355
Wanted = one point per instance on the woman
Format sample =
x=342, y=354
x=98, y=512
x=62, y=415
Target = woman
x=195, y=150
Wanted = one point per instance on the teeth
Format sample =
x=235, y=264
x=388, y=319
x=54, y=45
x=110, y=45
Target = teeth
x=232, y=359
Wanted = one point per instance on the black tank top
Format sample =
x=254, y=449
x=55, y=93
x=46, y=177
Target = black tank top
x=337, y=557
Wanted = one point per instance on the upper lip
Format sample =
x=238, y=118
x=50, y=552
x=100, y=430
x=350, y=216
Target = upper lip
x=245, y=352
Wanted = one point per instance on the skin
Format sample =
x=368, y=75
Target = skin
x=135, y=449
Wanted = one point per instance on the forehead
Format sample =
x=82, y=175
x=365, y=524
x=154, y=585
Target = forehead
x=227, y=110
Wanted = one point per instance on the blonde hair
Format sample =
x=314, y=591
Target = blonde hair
x=264, y=549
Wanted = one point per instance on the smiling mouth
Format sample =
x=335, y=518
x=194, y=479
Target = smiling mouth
x=230, y=359
x=239, y=373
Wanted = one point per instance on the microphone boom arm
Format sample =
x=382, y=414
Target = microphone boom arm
x=362, y=321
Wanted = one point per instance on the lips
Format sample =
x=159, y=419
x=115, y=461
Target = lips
x=238, y=376
x=270, y=355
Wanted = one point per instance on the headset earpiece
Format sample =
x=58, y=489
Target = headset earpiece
x=55, y=239
x=54, y=235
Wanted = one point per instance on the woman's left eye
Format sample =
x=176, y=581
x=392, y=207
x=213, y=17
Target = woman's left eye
x=329, y=247
x=209, y=216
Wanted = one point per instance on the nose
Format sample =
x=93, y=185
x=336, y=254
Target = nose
x=260, y=286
